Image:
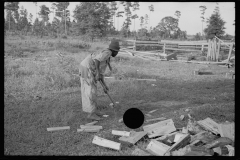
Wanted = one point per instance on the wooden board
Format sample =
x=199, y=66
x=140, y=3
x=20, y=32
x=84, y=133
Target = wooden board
x=209, y=124
x=88, y=130
x=58, y=128
x=160, y=128
x=182, y=142
x=227, y=130
x=157, y=148
x=106, y=143
x=133, y=138
x=121, y=133
x=91, y=127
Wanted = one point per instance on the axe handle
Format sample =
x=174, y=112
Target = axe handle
x=107, y=92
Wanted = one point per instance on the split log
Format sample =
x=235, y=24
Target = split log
x=182, y=142
x=210, y=125
x=133, y=138
x=227, y=130
x=106, y=143
x=157, y=148
x=121, y=133
x=58, y=128
x=160, y=128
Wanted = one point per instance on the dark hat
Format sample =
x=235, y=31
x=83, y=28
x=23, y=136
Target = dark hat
x=114, y=45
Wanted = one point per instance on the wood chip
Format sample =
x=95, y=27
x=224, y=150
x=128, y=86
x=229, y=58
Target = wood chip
x=91, y=123
x=58, y=128
x=121, y=133
x=152, y=111
x=106, y=143
x=91, y=127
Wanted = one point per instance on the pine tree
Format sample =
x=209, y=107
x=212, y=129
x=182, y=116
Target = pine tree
x=215, y=25
x=92, y=19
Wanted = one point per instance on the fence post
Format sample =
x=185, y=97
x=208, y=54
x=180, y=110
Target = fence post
x=218, y=50
x=164, y=48
x=202, y=48
x=209, y=50
x=230, y=52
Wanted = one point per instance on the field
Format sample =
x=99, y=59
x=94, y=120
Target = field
x=40, y=91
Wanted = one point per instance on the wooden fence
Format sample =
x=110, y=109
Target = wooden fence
x=213, y=47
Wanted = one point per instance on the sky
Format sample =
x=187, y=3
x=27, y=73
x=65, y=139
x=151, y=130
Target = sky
x=189, y=21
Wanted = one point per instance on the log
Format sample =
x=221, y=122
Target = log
x=182, y=142
x=121, y=133
x=227, y=130
x=210, y=125
x=160, y=128
x=91, y=123
x=156, y=119
x=133, y=138
x=157, y=148
x=106, y=143
x=90, y=127
x=58, y=128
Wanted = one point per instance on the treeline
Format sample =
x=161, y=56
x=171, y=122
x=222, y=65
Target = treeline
x=99, y=19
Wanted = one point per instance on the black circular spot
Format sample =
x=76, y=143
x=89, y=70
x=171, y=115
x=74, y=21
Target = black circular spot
x=133, y=118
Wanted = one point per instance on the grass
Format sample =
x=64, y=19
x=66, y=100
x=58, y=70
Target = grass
x=43, y=73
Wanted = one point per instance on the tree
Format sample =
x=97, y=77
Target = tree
x=146, y=20
x=178, y=14
x=119, y=14
x=141, y=21
x=62, y=13
x=44, y=13
x=36, y=8
x=92, y=18
x=197, y=37
x=23, y=21
x=168, y=25
x=203, y=9
x=12, y=7
x=127, y=22
x=151, y=8
x=30, y=20
x=135, y=7
x=215, y=25
x=113, y=6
